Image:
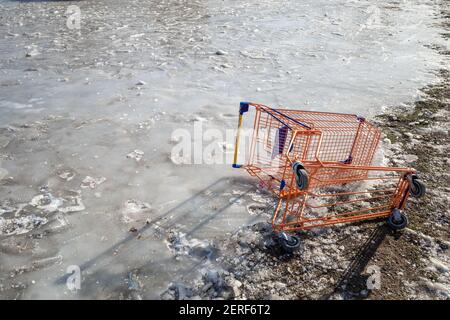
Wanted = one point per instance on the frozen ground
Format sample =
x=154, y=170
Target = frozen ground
x=86, y=118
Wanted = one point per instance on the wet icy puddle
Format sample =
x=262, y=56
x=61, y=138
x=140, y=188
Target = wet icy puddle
x=89, y=120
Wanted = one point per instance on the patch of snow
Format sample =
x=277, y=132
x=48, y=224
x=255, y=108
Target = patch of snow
x=136, y=155
x=179, y=244
x=90, y=182
x=135, y=210
x=46, y=202
x=21, y=225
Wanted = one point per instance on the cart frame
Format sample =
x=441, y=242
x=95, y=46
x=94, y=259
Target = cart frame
x=317, y=151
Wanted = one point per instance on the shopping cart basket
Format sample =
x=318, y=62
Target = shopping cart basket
x=320, y=166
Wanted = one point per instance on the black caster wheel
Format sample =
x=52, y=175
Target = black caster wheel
x=289, y=243
x=397, y=220
x=301, y=175
x=416, y=187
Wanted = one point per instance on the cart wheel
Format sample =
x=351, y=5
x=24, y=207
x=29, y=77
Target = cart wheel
x=301, y=175
x=397, y=220
x=302, y=179
x=416, y=187
x=289, y=243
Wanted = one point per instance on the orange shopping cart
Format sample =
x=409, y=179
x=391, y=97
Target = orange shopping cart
x=319, y=165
